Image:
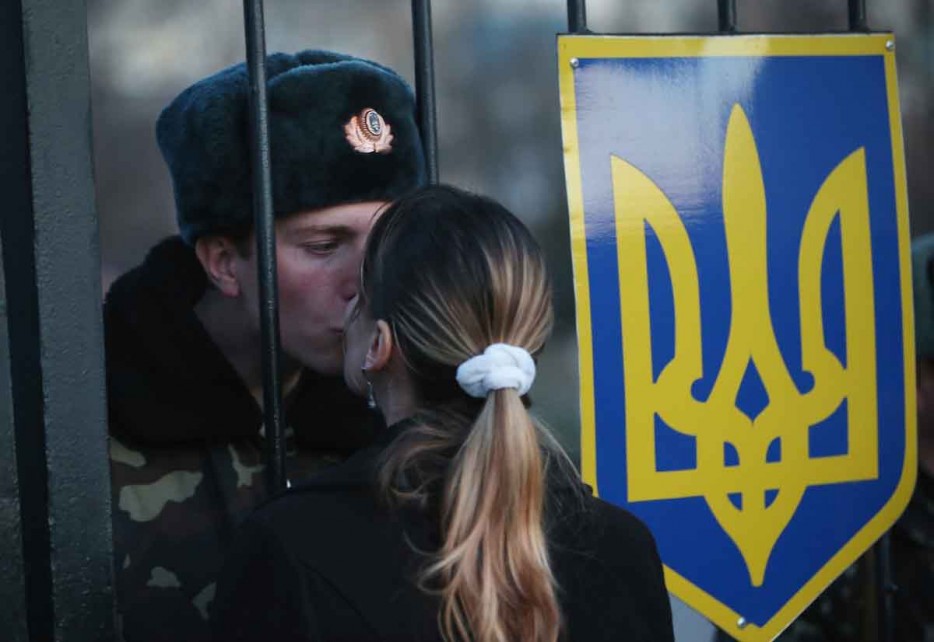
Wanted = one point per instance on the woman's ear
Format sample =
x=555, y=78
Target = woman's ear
x=218, y=255
x=380, y=351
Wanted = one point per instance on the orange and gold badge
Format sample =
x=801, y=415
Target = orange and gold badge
x=368, y=133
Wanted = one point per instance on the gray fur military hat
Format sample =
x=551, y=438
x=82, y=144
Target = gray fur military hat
x=341, y=130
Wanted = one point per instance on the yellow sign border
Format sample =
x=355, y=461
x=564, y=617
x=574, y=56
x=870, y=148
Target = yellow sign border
x=583, y=47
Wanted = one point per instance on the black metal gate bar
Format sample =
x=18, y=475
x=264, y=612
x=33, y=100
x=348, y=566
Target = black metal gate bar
x=577, y=16
x=27, y=598
x=726, y=16
x=12, y=579
x=425, y=84
x=857, y=15
x=885, y=606
x=53, y=320
x=265, y=245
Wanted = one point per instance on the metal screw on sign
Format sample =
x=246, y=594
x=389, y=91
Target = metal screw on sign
x=741, y=623
x=575, y=63
x=890, y=45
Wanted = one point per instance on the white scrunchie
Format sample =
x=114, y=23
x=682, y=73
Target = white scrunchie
x=500, y=366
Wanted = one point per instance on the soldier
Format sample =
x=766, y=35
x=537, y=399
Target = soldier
x=182, y=329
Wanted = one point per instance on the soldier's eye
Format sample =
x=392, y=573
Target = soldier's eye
x=320, y=247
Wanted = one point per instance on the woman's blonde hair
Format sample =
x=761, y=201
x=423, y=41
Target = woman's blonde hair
x=453, y=273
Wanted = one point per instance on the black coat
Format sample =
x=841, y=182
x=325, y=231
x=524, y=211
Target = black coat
x=328, y=561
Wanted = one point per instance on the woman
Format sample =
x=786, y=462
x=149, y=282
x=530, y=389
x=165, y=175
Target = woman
x=464, y=522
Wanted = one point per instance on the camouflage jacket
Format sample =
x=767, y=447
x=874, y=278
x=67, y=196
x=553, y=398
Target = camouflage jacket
x=186, y=446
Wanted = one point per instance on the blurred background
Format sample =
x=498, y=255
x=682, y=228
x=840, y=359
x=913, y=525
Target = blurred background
x=498, y=118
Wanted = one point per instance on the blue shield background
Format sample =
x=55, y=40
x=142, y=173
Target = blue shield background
x=668, y=117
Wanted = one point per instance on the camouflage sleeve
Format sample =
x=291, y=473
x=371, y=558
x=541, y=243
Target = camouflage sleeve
x=175, y=511
x=164, y=554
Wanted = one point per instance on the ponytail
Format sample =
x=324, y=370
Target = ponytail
x=492, y=567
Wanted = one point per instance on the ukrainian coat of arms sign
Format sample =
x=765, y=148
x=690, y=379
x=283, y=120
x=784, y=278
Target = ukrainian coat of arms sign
x=741, y=261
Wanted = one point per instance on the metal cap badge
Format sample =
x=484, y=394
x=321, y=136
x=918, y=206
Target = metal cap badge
x=367, y=132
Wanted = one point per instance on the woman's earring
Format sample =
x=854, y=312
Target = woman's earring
x=370, y=399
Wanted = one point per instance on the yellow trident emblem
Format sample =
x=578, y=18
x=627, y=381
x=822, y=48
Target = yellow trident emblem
x=757, y=524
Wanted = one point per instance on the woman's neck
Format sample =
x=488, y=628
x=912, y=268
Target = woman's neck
x=395, y=396
x=395, y=410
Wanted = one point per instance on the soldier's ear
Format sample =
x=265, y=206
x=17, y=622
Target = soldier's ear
x=218, y=256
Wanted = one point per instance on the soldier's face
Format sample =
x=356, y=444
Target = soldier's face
x=318, y=255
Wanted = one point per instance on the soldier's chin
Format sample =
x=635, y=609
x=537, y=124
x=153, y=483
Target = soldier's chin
x=327, y=365
x=332, y=368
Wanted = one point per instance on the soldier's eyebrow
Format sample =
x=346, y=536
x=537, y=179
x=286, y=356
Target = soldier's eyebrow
x=313, y=229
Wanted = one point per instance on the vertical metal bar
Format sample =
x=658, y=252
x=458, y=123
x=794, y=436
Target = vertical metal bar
x=857, y=15
x=265, y=245
x=577, y=16
x=23, y=498
x=13, y=615
x=425, y=84
x=52, y=286
x=868, y=619
x=885, y=607
x=922, y=19
x=726, y=16
x=26, y=575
